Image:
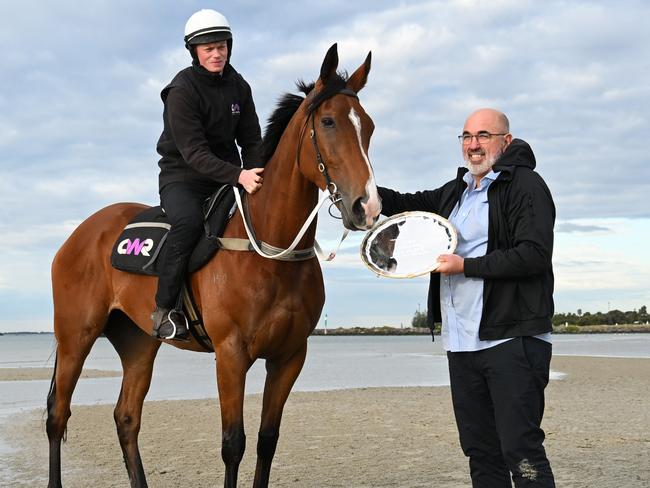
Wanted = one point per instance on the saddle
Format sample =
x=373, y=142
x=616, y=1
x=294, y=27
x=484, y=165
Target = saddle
x=137, y=248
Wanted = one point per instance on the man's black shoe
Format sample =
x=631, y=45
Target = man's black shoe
x=170, y=324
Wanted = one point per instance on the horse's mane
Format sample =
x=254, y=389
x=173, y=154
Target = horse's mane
x=288, y=105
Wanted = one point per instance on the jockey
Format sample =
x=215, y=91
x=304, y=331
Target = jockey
x=208, y=112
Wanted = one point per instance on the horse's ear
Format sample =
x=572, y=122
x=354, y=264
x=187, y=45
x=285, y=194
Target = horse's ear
x=330, y=63
x=359, y=78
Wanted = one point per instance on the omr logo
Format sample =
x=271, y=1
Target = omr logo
x=136, y=247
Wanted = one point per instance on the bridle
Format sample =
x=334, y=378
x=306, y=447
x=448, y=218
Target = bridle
x=290, y=254
x=335, y=195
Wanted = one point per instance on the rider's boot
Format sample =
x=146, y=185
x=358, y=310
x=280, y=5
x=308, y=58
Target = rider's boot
x=170, y=324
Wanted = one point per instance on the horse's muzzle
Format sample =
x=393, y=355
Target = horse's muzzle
x=364, y=214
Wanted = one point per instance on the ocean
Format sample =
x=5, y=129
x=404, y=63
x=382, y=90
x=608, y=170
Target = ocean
x=333, y=362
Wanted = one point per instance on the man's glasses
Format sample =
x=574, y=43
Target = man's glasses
x=481, y=137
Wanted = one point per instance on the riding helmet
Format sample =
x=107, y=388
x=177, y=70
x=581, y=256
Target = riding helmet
x=207, y=26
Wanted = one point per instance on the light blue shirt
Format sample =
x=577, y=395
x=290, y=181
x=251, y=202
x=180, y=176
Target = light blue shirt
x=461, y=298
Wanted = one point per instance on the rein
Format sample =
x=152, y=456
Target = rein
x=290, y=254
x=272, y=252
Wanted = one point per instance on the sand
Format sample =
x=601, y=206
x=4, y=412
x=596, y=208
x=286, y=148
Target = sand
x=26, y=374
x=597, y=423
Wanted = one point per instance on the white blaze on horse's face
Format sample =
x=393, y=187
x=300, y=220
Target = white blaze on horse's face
x=372, y=207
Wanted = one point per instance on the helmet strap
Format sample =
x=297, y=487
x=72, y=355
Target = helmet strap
x=192, y=50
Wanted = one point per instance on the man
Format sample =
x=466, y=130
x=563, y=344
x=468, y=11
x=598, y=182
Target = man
x=494, y=297
x=209, y=109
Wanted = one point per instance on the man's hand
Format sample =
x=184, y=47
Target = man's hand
x=450, y=264
x=251, y=179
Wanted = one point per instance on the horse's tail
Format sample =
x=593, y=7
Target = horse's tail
x=51, y=394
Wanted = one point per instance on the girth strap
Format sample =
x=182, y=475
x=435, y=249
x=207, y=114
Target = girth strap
x=239, y=244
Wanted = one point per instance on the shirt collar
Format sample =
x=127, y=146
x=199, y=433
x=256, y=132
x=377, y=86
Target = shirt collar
x=487, y=179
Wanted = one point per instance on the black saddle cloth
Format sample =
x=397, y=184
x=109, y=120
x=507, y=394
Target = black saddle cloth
x=141, y=241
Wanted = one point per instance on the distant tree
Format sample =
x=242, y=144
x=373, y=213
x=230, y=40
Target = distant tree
x=599, y=318
x=643, y=314
x=419, y=319
x=616, y=317
x=580, y=318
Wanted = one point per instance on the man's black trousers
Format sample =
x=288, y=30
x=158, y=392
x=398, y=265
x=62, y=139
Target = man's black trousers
x=498, y=398
x=183, y=205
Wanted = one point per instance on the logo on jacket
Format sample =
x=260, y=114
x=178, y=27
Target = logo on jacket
x=234, y=108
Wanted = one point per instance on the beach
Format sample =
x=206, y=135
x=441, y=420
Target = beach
x=26, y=374
x=597, y=424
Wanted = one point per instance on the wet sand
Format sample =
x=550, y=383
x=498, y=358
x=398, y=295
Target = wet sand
x=597, y=424
x=27, y=374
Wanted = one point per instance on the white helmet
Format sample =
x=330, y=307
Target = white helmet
x=206, y=26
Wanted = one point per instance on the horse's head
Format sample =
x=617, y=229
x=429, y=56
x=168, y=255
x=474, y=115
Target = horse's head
x=334, y=143
x=383, y=247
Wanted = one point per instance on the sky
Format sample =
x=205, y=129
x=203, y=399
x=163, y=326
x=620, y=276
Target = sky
x=80, y=115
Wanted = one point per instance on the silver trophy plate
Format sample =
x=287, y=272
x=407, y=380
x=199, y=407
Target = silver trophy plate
x=408, y=244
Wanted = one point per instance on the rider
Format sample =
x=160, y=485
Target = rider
x=208, y=109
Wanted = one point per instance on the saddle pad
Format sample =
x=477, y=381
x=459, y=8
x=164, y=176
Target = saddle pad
x=137, y=248
x=140, y=242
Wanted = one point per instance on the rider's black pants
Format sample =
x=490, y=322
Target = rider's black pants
x=498, y=398
x=183, y=205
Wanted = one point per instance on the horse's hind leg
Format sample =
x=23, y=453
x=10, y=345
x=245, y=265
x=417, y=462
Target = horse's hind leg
x=280, y=377
x=137, y=352
x=73, y=346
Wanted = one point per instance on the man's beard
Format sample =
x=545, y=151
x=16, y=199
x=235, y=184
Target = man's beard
x=483, y=168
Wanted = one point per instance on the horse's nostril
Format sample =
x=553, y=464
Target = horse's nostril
x=357, y=208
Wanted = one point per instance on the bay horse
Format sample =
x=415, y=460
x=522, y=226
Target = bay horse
x=252, y=307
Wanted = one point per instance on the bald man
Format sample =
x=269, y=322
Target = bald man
x=494, y=297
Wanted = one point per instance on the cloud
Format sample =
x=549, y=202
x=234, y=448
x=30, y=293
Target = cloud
x=573, y=227
x=80, y=113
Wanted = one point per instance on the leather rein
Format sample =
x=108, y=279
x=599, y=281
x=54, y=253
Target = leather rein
x=290, y=254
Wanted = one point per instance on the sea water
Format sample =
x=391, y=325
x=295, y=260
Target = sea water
x=333, y=362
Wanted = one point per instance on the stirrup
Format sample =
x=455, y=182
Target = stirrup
x=174, y=336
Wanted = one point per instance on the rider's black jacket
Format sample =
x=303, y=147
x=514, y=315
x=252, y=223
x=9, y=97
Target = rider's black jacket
x=516, y=269
x=206, y=115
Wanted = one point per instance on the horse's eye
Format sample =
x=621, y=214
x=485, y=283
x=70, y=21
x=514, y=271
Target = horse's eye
x=328, y=122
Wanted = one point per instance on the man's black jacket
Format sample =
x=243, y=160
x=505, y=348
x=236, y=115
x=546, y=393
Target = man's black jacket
x=517, y=269
x=205, y=113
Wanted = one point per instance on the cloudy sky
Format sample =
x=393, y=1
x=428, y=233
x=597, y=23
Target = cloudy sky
x=80, y=114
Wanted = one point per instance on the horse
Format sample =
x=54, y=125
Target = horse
x=252, y=307
x=383, y=247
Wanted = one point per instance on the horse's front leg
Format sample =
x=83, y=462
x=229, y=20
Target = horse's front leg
x=232, y=365
x=281, y=374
